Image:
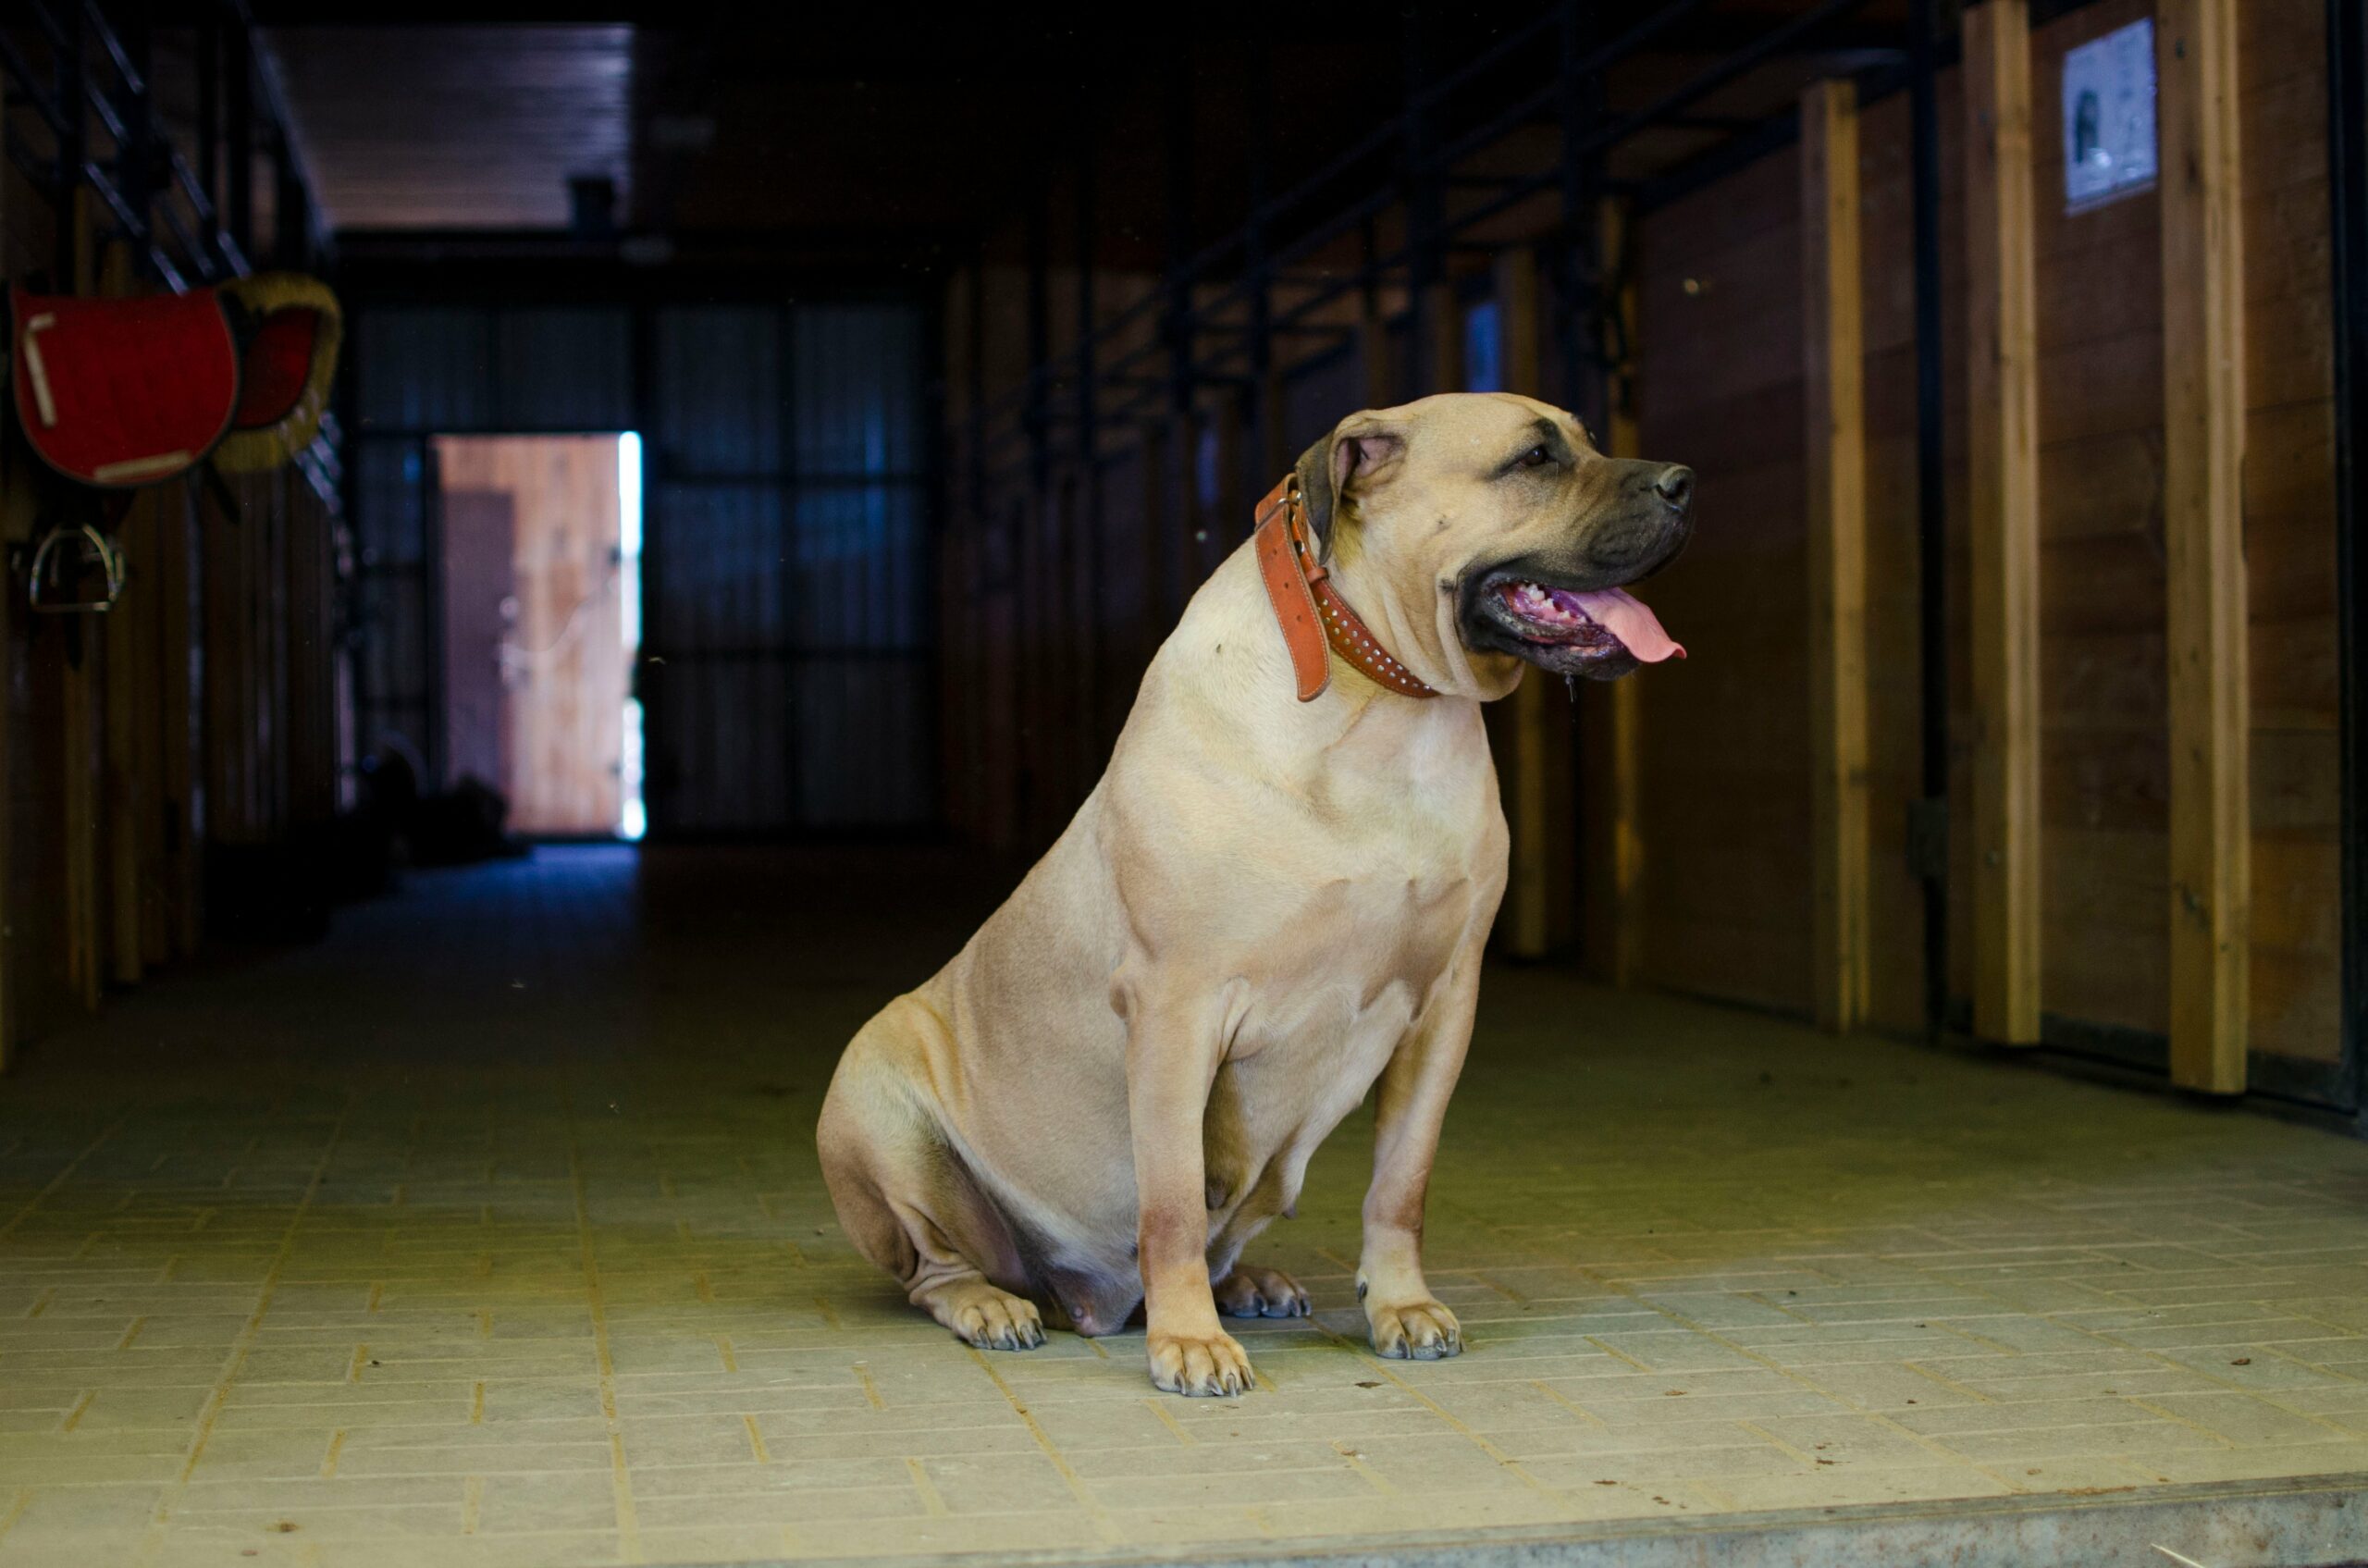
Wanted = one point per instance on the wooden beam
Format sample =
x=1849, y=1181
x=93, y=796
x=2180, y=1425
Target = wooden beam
x=1442, y=317
x=2001, y=355
x=82, y=781
x=1618, y=933
x=1372, y=348
x=181, y=719
x=1834, y=398
x=2203, y=398
x=1534, y=730
x=128, y=677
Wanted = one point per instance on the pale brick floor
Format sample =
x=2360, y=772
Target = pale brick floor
x=489, y=1232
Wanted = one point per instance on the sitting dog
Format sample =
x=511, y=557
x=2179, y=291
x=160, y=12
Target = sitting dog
x=1274, y=898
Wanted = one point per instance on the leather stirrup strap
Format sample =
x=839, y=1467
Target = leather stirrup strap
x=1316, y=622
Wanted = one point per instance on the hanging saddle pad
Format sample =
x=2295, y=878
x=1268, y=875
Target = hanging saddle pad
x=124, y=392
x=291, y=331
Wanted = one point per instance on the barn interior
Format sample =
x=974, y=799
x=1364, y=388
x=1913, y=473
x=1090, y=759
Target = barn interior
x=1917, y=1106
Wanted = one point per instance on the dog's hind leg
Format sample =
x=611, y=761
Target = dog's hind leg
x=906, y=1202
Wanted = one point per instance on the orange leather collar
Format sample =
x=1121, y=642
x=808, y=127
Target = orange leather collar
x=1311, y=611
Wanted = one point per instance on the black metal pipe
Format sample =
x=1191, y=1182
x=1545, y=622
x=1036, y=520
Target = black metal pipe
x=1426, y=199
x=238, y=85
x=2347, y=187
x=1931, y=581
x=1086, y=522
x=208, y=46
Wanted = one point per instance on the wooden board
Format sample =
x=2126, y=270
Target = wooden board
x=562, y=676
x=2204, y=392
x=2003, y=401
x=1835, y=440
x=1532, y=731
x=1721, y=851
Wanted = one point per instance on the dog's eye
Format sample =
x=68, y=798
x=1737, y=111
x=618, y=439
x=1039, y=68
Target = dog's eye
x=1536, y=457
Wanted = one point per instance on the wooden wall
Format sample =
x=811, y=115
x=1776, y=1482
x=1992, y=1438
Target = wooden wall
x=195, y=721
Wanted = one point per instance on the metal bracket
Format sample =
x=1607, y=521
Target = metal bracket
x=94, y=549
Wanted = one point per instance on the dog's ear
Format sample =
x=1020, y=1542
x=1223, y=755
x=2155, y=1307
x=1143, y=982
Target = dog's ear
x=1330, y=471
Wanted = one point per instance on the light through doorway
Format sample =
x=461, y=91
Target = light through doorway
x=541, y=596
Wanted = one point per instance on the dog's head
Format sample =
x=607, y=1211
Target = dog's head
x=1474, y=529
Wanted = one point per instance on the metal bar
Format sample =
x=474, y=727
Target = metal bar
x=134, y=74
x=1087, y=520
x=208, y=47
x=1259, y=339
x=1931, y=582
x=2348, y=188
x=29, y=89
x=239, y=216
x=66, y=49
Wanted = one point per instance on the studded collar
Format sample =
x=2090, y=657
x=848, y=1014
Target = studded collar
x=1315, y=621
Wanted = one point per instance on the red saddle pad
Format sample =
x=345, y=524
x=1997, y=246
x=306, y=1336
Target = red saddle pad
x=123, y=393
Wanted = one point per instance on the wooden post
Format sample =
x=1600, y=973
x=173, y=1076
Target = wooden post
x=2203, y=445
x=1834, y=398
x=1233, y=499
x=1150, y=447
x=180, y=717
x=1613, y=907
x=1442, y=318
x=1373, y=347
x=1534, y=730
x=85, y=889
x=2003, y=358
x=127, y=786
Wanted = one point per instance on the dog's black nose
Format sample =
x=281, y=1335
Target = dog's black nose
x=1675, y=486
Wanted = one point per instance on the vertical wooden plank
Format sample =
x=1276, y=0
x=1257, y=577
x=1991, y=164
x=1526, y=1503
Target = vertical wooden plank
x=2003, y=360
x=1442, y=317
x=1191, y=520
x=148, y=735
x=1157, y=548
x=7, y=693
x=1234, y=499
x=2203, y=445
x=1372, y=348
x=1534, y=732
x=179, y=716
x=1626, y=769
x=85, y=888
x=125, y=791
x=8, y=915
x=1833, y=399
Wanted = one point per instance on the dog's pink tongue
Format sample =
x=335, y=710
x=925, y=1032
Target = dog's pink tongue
x=1624, y=616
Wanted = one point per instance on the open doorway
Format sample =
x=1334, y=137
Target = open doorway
x=541, y=594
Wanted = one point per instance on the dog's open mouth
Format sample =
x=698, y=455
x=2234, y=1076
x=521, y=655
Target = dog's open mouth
x=1598, y=632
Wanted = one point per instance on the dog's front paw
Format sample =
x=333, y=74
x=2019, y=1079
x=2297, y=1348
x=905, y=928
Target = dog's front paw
x=992, y=1320
x=1416, y=1331
x=1187, y=1364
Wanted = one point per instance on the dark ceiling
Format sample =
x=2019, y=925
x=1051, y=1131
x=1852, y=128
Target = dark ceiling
x=882, y=136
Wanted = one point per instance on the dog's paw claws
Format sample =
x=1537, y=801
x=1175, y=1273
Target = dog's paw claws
x=1214, y=1367
x=998, y=1322
x=1418, y=1331
x=1250, y=1292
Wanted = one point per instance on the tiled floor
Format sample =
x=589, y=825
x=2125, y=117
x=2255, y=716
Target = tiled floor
x=489, y=1232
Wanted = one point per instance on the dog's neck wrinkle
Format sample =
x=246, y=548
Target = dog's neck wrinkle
x=1433, y=652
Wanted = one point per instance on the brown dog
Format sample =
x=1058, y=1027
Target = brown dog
x=1266, y=907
